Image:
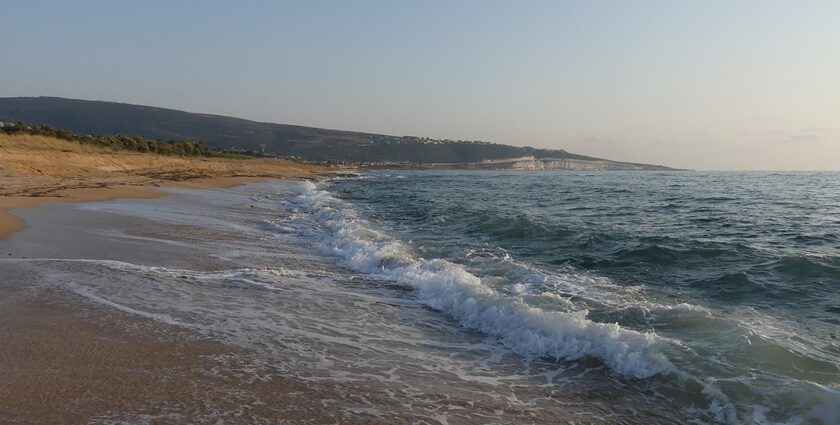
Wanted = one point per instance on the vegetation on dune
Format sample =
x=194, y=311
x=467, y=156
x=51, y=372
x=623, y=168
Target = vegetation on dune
x=184, y=147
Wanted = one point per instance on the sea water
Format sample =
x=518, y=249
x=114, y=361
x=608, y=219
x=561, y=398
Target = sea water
x=725, y=285
x=505, y=297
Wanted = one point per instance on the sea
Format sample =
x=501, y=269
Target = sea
x=514, y=297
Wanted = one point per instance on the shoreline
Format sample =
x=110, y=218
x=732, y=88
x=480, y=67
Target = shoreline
x=68, y=358
x=136, y=310
x=36, y=170
x=9, y=223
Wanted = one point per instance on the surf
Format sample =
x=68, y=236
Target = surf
x=451, y=289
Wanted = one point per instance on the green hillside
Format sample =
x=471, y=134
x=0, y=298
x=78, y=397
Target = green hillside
x=100, y=118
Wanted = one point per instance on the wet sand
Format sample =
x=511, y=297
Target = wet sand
x=72, y=362
x=65, y=359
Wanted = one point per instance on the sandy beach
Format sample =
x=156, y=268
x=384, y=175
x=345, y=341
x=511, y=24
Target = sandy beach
x=70, y=356
x=196, y=308
x=472, y=213
x=201, y=306
x=35, y=170
x=67, y=360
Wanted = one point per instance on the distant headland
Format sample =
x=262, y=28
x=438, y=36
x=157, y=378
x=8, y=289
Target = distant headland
x=86, y=117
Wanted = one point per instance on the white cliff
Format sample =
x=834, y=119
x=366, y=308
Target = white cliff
x=572, y=164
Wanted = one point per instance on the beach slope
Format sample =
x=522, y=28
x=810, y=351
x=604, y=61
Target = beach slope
x=37, y=169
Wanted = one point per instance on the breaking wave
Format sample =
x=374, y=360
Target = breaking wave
x=452, y=289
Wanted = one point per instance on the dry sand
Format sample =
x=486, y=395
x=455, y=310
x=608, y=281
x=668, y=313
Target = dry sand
x=37, y=169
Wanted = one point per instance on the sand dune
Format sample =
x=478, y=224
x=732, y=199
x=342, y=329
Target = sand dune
x=36, y=169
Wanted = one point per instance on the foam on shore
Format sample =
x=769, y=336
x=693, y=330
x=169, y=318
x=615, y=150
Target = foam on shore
x=450, y=288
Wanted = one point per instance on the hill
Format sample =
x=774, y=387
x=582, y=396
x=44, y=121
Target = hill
x=97, y=118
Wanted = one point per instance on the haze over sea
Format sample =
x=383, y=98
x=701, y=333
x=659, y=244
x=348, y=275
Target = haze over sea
x=507, y=297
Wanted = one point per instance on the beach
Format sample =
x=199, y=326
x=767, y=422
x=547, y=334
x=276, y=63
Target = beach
x=194, y=290
x=36, y=170
x=198, y=306
x=485, y=213
x=67, y=360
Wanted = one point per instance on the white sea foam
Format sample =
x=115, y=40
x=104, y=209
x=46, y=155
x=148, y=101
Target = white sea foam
x=450, y=288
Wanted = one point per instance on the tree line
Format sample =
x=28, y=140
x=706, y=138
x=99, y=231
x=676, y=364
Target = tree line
x=184, y=147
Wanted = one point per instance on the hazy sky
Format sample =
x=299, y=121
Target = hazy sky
x=698, y=84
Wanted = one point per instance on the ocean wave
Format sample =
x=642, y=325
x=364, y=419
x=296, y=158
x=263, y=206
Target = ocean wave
x=450, y=288
x=518, y=227
x=809, y=266
x=758, y=267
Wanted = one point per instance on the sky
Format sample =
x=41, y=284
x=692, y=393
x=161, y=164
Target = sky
x=710, y=85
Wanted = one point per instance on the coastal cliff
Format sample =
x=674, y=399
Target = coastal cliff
x=570, y=164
